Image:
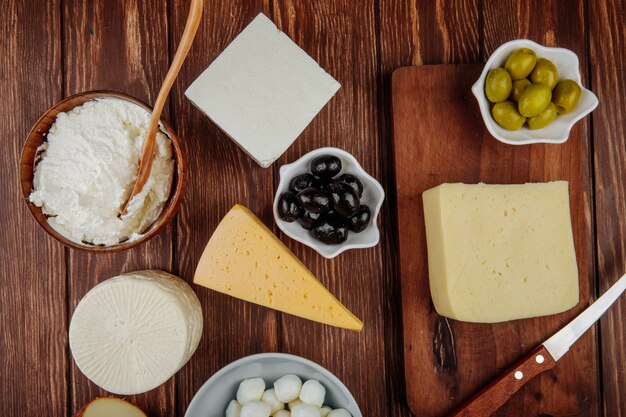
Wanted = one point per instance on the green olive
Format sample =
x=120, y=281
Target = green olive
x=544, y=118
x=520, y=63
x=566, y=95
x=518, y=88
x=506, y=115
x=498, y=85
x=545, y=72
x=534, y=100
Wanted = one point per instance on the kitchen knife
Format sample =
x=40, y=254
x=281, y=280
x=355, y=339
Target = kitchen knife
x=485, y=402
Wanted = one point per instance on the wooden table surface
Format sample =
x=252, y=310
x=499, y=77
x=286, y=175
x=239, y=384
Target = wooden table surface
x=54, y=48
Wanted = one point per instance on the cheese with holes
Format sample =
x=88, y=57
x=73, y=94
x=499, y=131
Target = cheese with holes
x=262, y=90
x=500, y=252
x=133, y=332
x=246, y=260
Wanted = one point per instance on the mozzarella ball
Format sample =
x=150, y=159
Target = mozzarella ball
x=250, y=390
x=269, y=398
x=282, y=413
x=313, y=392
x=233, y=409
x=288, y=388
x=325, y=410
x=256, y=409
x=340, y=412
x=305, y=410
x=293, y=403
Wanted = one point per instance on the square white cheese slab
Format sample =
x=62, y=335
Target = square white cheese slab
x=262, y=90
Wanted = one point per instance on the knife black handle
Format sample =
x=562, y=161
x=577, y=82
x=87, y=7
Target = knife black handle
x=493, y=396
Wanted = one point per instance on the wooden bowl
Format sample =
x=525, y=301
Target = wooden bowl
x=37, y=136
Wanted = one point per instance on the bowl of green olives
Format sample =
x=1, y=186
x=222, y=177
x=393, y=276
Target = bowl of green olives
x=327, y=201
x=529, y=93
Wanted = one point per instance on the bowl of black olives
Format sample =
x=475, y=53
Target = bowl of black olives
x=529, y=93
x=327, y=201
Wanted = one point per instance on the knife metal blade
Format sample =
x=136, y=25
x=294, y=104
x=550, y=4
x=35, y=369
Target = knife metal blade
x=544, y=357
x=561, y=341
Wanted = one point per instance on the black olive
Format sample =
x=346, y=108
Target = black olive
x=360, y=220
x=324, y=184
x=331, y=230
x=326, y=166
x=345, y=200
x=308, y=220
x=302, y=182
x=353, y=182
x=288, y=208
x=314, y=200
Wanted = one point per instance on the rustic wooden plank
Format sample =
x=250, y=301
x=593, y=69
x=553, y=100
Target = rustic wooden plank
x=452, y=358
x=571, y=388
x=413, y=33
x=410, y=32
x=608, y=71
x=342, y=39
x=123, y=46
x=33, y=305
x=221, y=174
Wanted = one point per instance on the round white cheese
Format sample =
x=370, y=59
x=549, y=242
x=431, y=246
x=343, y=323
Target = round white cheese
x=313, y=393
x=133, y=332
x=287, y=388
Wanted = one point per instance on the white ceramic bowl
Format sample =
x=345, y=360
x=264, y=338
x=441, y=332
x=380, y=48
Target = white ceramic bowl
x=373, y=196
x=566, y=62
x=213, y=397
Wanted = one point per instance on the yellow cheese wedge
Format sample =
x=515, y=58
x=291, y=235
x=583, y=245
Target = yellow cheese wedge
x=246, y=260
x=500, y=252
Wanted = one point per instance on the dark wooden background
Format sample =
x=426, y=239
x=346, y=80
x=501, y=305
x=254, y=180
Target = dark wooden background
x=54, y=48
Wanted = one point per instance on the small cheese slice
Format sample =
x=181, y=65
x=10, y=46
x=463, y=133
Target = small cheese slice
x=133, y=332
x=246, y=260
x=500, y=252
x=109, y=407
x=262, y=90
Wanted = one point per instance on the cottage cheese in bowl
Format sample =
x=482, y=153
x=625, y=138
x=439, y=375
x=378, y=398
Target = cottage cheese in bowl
x=87, y=167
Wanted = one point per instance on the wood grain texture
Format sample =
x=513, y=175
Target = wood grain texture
x=223, y=175
x=412, y=32
x=123, y=46
x=453, y=358
x=33, y=314
x=607, y=69
x=342, y=39
x=557, y=23
x=499, y=391
x=56, y=48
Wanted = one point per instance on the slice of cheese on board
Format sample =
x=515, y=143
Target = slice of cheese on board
x=133, y=332
x=246, y=260
x=500, y=252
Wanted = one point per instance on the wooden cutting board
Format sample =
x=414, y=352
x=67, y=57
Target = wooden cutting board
x=439, y=137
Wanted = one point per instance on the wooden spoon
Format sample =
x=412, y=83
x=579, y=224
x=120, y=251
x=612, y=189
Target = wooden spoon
x=147, y=153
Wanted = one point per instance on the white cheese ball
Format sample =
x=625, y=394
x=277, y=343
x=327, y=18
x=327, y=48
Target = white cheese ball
x=293, y=403
x=305, y=410
x=256, y=409
x=288, y=388
x=313, y=393
x=233, y=409
x=269, y=398
x=340, y=412
x=324, y=411
x=282, y=413
x=250, y=390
